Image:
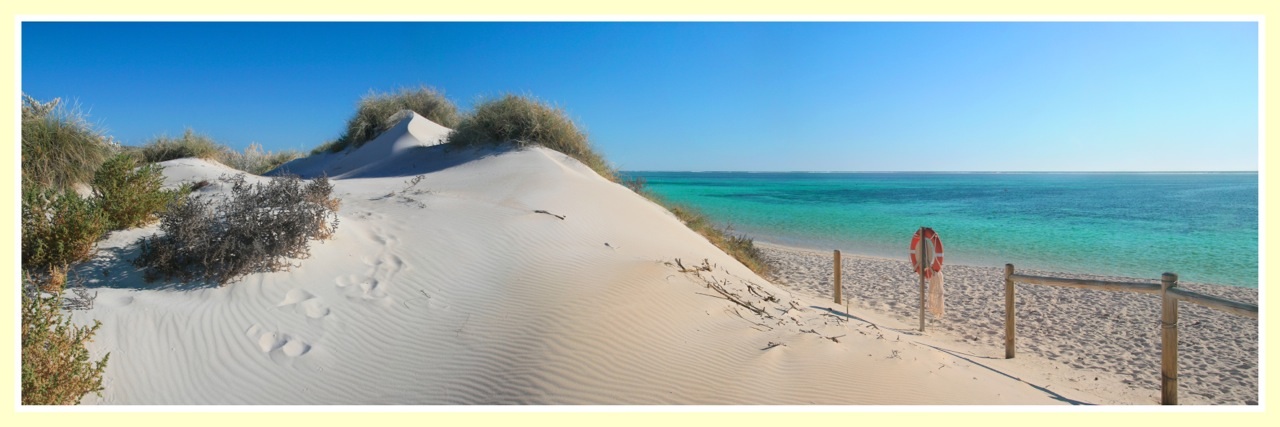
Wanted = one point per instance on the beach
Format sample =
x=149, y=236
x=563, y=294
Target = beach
x=501, y=275
x=639, y=214
x=1076, y=335
x=514, y=276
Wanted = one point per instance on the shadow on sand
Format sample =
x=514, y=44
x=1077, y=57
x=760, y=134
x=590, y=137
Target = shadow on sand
x=968, y=357
x=415, y=161
x=113, y=268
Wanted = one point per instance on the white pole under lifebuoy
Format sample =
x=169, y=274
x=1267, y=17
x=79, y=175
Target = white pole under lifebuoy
x=924, y=265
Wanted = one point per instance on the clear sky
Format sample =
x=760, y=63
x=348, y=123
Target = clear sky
x=849, y=96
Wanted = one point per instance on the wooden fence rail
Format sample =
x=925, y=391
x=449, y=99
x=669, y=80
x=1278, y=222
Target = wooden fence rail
x=1169, y=296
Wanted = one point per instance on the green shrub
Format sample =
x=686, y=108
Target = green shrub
x=56, y=367
x=257, y=161
x=258, y=229
x=130, y=194
x=60, y=148
x=190, y=144
x=525, y=122
x=59, y=228
x=376, y=112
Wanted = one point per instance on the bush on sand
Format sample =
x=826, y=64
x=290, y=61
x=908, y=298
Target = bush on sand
x=259, y=228
x=59, y=228
x=56, y=366
x=129, y=193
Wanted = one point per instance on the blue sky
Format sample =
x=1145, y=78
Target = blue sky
x=848, y=96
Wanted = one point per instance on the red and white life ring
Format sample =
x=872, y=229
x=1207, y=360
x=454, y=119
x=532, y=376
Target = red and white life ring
x=935, y=261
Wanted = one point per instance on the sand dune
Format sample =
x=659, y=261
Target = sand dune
x=509, y=277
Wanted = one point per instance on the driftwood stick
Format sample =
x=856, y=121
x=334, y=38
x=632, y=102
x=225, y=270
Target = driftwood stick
x=733, y=297
x=759, y=291
x=549, y=213
x=713, y=296
x=735, y=311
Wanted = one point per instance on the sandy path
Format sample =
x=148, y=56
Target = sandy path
x=1091, y=334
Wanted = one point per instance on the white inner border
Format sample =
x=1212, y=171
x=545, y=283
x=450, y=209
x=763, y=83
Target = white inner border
x=1262, y=311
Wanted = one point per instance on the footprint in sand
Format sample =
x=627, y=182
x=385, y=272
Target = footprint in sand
x=119, y=301
x=387, y=265
x=304, y=301
x=382, y=238
x=368, y=216
x=362, y=288
x=372, y=286
x=271, y=342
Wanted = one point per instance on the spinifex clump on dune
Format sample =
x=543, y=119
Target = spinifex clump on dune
x=254, y=159
x=60, y=148
x=376, y=112
x=525, y=122
x=190, y=144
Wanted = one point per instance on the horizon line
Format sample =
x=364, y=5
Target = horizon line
x=946, y=172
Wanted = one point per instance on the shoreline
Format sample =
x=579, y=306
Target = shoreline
x=856, y=252
x=1088, y=333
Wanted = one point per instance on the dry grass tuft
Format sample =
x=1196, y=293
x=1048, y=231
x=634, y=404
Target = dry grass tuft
x=256, y=160
x=377, y=112
x=525, y=121
x=56, y=281
x=190, y=144
x=60, y=148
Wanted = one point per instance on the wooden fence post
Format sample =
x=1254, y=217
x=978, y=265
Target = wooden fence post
x=1008, y=312
x=1168, y=340
x=837, y=276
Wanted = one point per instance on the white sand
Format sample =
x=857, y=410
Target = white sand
x=455, y=291
x=1072, y=335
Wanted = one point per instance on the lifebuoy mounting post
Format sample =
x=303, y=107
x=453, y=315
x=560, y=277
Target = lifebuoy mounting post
x=926, y=259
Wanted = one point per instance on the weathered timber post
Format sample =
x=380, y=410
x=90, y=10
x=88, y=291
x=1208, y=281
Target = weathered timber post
x=1008, y=312
x=1168, y=340
x=837, y=276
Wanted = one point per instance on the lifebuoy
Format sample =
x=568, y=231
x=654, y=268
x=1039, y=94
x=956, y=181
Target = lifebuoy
x=934, y=258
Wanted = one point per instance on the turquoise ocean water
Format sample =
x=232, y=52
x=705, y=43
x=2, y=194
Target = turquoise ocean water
x=1203, y=226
